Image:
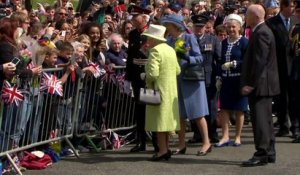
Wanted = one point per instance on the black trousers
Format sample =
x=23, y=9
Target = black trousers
x=262, y=124
x=139, y=115
x=295, y=104
x=282, y=106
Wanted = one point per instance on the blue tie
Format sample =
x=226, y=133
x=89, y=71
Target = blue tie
x=287, y=24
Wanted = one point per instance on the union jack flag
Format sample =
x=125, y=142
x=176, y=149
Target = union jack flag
x=99, y=71
x=50, y=83
x=30, y=66
x=120, y=79
x=110, y=75
x=116, y=141
x=10, y=94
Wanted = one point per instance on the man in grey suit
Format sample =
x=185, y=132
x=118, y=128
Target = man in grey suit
x=260, y=83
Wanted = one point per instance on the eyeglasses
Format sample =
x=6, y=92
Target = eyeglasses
x=65, y=14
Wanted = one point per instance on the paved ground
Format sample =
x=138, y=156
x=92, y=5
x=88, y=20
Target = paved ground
x=223, y=161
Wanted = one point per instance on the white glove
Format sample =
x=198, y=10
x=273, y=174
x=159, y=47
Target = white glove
x=218, y=85
x=143, y=76
x=228, y=65
x=127, y=87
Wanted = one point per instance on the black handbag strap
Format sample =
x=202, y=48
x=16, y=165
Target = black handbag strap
x=155, y=89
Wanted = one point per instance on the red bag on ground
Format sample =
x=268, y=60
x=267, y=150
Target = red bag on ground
x=34, y=162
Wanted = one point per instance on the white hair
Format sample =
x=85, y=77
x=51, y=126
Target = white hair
x=114, y=36
x=158, y=1
x=147, y=17
x=77, y=44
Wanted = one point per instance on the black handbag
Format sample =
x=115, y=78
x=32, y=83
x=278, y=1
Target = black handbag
x=193, y=72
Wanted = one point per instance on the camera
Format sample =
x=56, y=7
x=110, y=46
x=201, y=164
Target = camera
x=242, y=10
x=230, y=6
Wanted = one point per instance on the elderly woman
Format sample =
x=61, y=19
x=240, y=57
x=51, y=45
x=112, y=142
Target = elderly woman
x=192, y=94
x=161, y=71
x=115, y=54
x=233, y=49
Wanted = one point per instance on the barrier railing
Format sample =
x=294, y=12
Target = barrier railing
x=104, y=107
x=40, y=111
x=35, y=112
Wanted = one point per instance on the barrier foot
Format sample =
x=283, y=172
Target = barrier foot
x=92, y=143
x=72, y=147
x=13, y=164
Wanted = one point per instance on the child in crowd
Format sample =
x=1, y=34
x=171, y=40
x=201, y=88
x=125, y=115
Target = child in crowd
x=86, y=42
x=209, y=27
x=66, y=51
x=50, y=12
x=51, y=106
x=221, y=32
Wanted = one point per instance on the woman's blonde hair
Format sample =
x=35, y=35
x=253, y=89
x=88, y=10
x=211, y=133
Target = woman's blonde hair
x=82, y=37
x=89, y=52
x=46, y=51
x=19, y=17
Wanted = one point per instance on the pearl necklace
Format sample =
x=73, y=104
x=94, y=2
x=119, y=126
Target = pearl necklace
x=234, y=41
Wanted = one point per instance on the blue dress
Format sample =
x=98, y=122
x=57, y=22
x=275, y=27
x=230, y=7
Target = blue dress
x=230, y=94
x=191, y=94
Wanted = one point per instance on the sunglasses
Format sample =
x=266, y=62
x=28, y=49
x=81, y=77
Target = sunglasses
x=65, y=14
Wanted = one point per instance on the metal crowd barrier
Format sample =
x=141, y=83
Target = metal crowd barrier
x=103, y=106
x=87, y=107
x=39, y=117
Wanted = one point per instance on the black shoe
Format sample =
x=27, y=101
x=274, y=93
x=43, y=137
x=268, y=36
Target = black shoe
x=271, y=159
x=165, y=156
x=182, y=151
x=282, y=133
x=214, y=140
x=276, y=124
x=256, y=161
x=138, y=148
x=204, y=153
x=296, y=140
x=194, y=140
x=295, y=133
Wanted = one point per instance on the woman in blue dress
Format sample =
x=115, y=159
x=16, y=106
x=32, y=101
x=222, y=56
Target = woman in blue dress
x=191, y=94
x=228, y=80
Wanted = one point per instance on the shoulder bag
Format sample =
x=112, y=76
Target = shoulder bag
x=193, y=72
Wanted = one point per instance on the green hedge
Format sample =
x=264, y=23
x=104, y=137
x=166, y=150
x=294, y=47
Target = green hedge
x=34, y=2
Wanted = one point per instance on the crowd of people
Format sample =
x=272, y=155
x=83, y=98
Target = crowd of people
x=248, y=51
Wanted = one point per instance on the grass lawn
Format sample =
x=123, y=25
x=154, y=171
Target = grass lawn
x=51, y=2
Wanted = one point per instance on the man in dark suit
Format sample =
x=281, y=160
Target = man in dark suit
x=280, y=26
x=260, y=83
x=135, y=65
x=295, y=71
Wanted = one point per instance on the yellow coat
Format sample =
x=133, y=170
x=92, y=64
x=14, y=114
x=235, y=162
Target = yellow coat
x=161, y=70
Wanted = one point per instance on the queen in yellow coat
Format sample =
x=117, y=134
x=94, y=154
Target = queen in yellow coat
x=161, y=72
